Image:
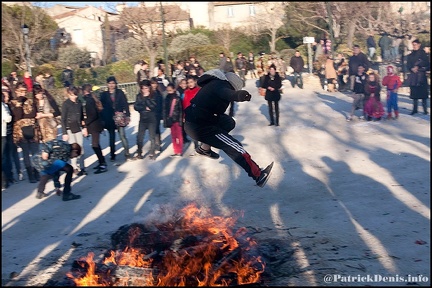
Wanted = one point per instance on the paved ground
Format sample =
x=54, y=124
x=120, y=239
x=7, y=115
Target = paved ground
x=347, y=199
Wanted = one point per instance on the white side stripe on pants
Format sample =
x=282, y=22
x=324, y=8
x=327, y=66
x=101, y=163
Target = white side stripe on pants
x=231, y=143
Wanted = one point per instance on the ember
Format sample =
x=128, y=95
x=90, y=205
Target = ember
x=191, y=249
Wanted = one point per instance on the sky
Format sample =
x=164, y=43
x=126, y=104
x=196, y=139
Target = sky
x=106, y=5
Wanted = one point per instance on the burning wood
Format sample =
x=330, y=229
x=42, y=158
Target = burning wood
x=193, y=249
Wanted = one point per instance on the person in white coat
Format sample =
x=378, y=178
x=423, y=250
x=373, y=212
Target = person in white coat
x=6, y=118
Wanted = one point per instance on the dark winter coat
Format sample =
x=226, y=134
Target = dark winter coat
x=177, y=114
x=92, y=117
x=120, y=104
x=251, y=62
x=67, y=77
x=159, y=105
x=356, y=60
x=222, y=63
x=370, y=42
x=418, y=81
x=72, y=116
x=146, y=107
x=297, y=63
x=385, y=42
x=240, y=63
x=276, y=83
x=229, y=66
x=212, y=100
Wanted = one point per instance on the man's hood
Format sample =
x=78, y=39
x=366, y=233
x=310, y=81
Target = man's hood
x=216, y=73
x=230, y=77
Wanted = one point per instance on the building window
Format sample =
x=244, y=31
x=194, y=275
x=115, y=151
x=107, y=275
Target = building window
x=78, y=37
x=252, y=10
x=230, y=12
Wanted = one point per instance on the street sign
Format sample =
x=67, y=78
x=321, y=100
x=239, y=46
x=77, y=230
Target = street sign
x=308, y=40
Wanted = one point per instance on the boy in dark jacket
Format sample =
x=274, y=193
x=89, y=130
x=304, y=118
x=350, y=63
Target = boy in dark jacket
x=207, y=122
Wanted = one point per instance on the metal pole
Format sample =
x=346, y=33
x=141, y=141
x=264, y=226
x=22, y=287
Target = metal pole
x=403, y=45
x=330, y=27
x=310, y=58
x=167, y=65
x=27, y=48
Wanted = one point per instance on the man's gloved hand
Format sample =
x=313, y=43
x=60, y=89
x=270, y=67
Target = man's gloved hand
x=243, y=95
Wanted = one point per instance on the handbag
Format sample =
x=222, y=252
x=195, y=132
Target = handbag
x=416, y=79
x=28, y=132
x=169, y=121
x=120, y=119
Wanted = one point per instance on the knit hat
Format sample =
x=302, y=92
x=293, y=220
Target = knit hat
x=111, y=79
x=235, y=81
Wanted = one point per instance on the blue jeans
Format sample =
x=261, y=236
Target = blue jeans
x=123, y=139
x=392, y=102
x=151, y=127
x=297, y=80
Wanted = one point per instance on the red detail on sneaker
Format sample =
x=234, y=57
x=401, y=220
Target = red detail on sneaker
x=256, y=171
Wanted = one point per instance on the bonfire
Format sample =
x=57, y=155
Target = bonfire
x=191, y=248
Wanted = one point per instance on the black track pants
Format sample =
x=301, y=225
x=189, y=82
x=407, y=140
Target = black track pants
x=216, y=135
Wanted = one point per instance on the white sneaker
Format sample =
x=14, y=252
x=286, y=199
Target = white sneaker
x=361, y=117
x=349, y=118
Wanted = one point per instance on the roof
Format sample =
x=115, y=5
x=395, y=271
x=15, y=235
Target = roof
x=229, y=3
x=171, y=13
x=78, y=9
x=67, y=14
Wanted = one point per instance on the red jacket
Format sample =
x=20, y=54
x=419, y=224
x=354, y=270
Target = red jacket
x=29, y=82
x=189, y=94
x=392, y=82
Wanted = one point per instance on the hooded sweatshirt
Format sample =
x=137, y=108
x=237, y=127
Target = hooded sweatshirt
x=213, y=98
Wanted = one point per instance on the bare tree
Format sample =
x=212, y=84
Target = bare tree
x=183, y=44
x=350, y=18
x=41, y=29
x=145, y=25
x=225, y=36
x=272, y=20
x=107, y=41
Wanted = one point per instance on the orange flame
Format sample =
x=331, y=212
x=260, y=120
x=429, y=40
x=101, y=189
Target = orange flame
x=216, y=254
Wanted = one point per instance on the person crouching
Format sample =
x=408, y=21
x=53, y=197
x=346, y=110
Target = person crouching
x=50, y=161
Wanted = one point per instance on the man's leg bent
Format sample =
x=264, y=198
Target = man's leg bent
x=41, y=186
x=219, y=138
x=68, y=179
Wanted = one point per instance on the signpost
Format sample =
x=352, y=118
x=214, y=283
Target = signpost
x=309, y=41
